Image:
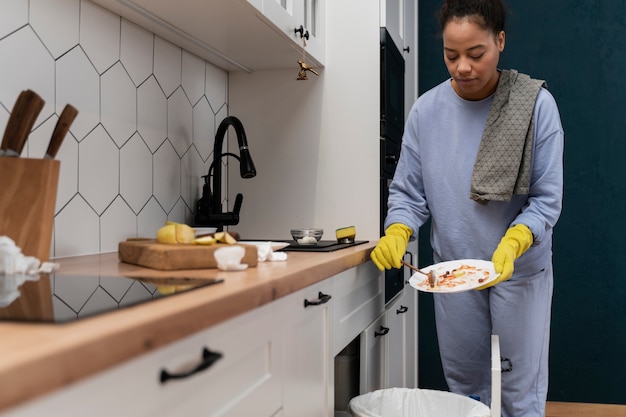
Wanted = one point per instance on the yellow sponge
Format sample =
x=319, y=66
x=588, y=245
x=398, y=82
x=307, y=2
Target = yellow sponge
x=346, y=234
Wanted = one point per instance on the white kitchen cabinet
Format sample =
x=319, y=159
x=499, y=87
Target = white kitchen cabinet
x=304, y=16
x=410, y=55
x=400, y=19
x=359, y=299
x=245, y=381
x=389, y=345
x=236, y=35
x=308, y=364
x=372, y=363
x=392, y=18
x=411, y=363
x=396, y=348
x=276, y=361
x=400, y=342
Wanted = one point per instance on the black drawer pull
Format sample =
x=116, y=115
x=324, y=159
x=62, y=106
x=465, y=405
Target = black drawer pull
x=323, y=298
x=402, y=310
x=208, y=359
x=383, y=331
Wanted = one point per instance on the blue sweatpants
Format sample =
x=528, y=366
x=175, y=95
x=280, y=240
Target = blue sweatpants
x=518, y=311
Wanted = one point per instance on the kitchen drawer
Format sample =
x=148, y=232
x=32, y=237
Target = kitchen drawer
x=245, y=381
x=359, y=299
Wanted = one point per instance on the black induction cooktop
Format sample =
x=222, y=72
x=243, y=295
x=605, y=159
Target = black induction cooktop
x=322, y=246
x=68, y=298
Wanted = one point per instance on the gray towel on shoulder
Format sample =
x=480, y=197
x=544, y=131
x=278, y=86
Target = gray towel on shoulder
x=502, y=166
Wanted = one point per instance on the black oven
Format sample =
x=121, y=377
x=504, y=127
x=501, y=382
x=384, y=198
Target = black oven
x=391, y=128
x=391, y=89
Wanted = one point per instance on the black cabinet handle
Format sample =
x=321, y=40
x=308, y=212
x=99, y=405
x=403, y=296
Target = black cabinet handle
x=303, y=34
x=208, y=359
x=402, y=310
x=383, y=331
x=322, y=298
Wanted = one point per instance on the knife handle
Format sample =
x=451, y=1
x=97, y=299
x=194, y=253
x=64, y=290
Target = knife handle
x=5, y=138
x=66, y=119
x=23, y=116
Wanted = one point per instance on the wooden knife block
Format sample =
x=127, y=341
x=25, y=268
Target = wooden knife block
x=28, y=190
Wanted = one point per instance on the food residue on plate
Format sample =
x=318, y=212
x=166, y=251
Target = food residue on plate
x=462, y=275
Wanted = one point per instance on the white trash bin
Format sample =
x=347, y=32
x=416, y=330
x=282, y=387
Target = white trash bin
x=411, y=402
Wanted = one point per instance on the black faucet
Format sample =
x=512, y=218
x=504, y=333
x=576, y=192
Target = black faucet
x=209, y=206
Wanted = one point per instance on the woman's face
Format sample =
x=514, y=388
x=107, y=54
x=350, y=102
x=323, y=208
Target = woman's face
x=471, y=54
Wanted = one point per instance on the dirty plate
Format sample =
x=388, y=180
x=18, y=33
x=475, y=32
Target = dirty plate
x=455, y=276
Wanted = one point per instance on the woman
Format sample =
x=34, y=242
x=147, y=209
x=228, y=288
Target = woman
x=482, y=157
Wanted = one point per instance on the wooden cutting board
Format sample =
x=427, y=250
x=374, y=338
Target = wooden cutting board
x=170, y=257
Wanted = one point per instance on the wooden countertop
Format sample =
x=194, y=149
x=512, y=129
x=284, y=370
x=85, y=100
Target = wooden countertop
x=38, y=358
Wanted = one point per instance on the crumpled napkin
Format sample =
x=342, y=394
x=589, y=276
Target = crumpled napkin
x=266, y=253
x=15, y=269
x=229, y=258
x=13, y=261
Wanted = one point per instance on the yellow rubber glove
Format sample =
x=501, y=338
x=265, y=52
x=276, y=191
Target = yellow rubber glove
x=515, y=242
x=391, y=248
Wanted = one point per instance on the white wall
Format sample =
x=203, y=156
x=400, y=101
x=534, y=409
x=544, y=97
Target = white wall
x=315, y=143
x=147, y=115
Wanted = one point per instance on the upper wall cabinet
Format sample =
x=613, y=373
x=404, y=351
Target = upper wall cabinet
x=300, y=20
x=236, y=35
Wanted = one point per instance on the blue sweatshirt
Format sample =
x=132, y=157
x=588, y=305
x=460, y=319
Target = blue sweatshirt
x=433, y=178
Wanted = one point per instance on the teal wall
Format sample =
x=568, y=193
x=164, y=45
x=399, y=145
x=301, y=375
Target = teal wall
x=579, y=48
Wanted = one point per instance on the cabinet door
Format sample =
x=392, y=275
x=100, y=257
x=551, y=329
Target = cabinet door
x=400, y=19
x=410, y=54
x=359, y=299
x=289, y=15
x=410, y=299
x=392, y=18
x=396, y=352
x=308, y=366
x=401, y=352
x=372, y=365
x=244, y=381
x=285, y=14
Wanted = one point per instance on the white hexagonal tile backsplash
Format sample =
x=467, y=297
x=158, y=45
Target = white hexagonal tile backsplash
x=26, y=64
x=57, y=23
x=14, y=15
x=118, y=97
x=143, y=138
x=147, y=117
